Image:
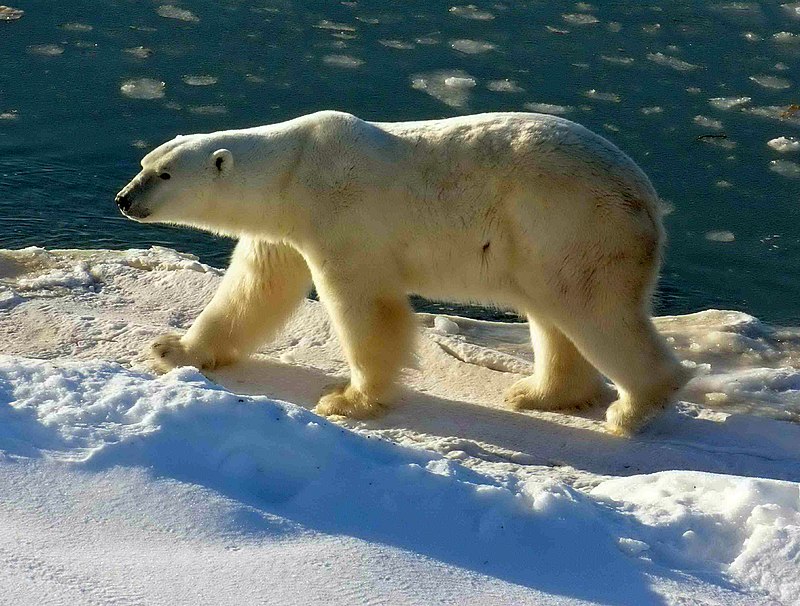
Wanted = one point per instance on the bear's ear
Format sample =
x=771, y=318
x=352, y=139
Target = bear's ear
x=222, y=160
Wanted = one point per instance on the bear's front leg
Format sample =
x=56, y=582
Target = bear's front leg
x=376, y=331
x=262, y=287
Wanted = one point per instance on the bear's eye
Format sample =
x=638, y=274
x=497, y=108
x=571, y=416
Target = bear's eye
x=164, y=176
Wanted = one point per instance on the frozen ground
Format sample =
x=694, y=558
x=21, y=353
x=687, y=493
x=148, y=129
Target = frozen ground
x=118, y=487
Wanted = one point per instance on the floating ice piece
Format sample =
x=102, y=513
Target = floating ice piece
x=343, y=61
x=655, y=109
x=707, y=122
x=430, y=40
x=76, y=27
x=208, y=110
x=139, y=52
x=11, y=114
x=8, y=13
x=729, y=102
x=614, y=27
x=171, y=11
x=585, y=7
x=720, y=236
x=673, y=62
x=785, y=168
x=617, y=60
x=450, y=87
x=793, y=10
x=504, y=86
x=472, y=47
x=771, y=82
x=752, y=37
x=143, y=88
x=782, y=113
x=199, y=80
x=397, y=44
x=341, y=27
x=548, y=108
x=718, y=140
x=580, y=18
x=600, y=96
x=470, y=11
x=786, y=38
x=785, y=144
x=46, y=50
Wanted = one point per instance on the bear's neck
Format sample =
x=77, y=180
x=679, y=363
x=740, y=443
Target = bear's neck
x=258, y=195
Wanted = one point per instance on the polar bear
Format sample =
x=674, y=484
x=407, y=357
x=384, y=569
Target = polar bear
x=519, y=210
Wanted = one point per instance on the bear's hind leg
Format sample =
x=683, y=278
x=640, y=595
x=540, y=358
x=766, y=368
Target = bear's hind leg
x=262, y=287
x=562, y=378
x=624, y=345
x=376, y=332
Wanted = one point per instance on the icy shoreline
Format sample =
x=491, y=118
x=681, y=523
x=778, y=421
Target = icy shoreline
x=448, y=497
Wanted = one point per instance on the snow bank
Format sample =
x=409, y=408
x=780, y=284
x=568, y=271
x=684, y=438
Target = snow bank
x=117, y=486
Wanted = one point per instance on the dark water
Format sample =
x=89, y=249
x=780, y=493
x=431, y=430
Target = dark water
x=70, y=138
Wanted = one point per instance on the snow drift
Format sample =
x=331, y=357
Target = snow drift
x=125, y=487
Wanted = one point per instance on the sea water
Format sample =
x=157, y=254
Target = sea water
x=702, y=95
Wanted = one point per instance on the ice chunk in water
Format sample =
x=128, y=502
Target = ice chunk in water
x=471, y=47
x=785, y=144
x=617, y=60
x=785, y=168
x=793, y=10
x=139, y=52
x=208, y=110
x=450, y=87
x=707, y=122
x=673, y=62
x=11, y=114
x=580, y=18
x=599, y=96
x=46, y=50
x=76, y=27
x=143, y=88
x=786, y=38
x=343, y=61
x=771, y=82
x=199, y=80
x=8, y=13
x=397, y=44
x=729, y=102
x=470, y=11
x=548, y=108
x=174, y=12
x=720, y=236
x=504, y=86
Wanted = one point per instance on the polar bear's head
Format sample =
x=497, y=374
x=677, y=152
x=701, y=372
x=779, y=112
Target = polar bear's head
x=179, y=182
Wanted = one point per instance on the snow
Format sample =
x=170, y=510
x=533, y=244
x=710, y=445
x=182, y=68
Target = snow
x=117, y=486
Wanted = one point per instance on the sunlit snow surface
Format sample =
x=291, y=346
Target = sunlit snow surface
x=120, y=487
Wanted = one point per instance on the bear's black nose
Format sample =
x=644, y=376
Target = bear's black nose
x=123, y=201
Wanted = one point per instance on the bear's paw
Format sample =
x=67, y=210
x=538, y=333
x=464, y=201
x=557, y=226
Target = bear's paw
x=347, y=401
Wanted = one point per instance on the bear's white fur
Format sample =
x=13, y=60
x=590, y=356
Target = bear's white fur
x=519, y=210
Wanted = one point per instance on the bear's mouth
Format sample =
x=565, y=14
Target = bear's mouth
x=136, y=214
